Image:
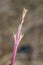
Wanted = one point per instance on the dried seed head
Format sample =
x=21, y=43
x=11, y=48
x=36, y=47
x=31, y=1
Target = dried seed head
x=24, y=13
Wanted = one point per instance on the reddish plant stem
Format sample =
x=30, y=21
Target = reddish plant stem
x=14, y=54
x=18, y=38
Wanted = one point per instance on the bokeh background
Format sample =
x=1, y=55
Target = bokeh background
x=30, y=50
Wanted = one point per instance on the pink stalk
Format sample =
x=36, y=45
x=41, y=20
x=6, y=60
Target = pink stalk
x=18, y=37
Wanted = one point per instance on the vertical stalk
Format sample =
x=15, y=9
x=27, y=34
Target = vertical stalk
x=18, y=37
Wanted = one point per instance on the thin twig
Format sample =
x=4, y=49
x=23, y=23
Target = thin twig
x=18, y=37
